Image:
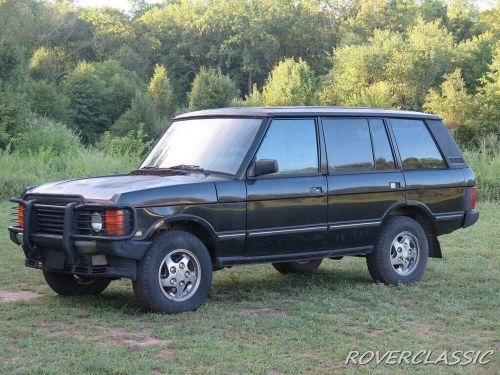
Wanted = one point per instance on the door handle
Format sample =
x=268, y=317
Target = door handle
x=394, y=185
x=316, y=190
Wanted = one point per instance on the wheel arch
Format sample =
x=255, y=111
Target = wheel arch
x=423, y=215
x=195, y=225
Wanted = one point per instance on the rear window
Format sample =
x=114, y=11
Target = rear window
x=416, y=146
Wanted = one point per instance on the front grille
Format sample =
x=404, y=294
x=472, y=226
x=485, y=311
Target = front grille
x=50, y=219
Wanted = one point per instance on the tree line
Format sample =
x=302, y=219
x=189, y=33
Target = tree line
x=107, y=73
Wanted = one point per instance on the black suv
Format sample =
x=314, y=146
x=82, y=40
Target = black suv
x=288, y=186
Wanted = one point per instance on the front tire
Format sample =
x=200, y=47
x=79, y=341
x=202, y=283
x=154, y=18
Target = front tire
x=401, y=252
x=175, y=275
x=71, y=285
x=304, y=266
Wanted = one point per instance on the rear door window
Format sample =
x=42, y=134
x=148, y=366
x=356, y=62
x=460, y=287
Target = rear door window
x=416, y=145
x=384, y=159
x=348, y=145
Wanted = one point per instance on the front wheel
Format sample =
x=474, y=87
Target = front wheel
x=300, y=266
x=401, y=252
x=71, y=285
x=175, y=274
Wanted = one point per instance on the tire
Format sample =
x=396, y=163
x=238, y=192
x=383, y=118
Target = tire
x=401, y=252
x=70, y=285
x=175, y=275
x=298, y=267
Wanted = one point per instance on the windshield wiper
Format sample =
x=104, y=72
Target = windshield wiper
x=187, y=167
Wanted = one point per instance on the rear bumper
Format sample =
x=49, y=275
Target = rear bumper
x=470, y=218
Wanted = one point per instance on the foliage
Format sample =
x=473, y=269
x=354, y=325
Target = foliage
x=161, y=92
x=135, y=143
x=211, y=89
x=47, y=101
x=485, y=162
x=290, y=83
x=43, y=134
x=140, y=113
x=87, y=99
x=453, y=103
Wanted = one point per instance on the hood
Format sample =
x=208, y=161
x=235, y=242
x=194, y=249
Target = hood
x=137, y=189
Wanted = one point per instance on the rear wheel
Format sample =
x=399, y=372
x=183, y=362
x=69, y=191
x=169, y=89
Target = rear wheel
x=71, y=285
x=175, y=274
x=300, y=266
x=401, y=252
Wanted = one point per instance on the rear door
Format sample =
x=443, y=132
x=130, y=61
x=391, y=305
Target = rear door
x=363, y=180
x=286, y=211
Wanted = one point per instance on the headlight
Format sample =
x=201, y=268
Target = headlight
x=96, y=221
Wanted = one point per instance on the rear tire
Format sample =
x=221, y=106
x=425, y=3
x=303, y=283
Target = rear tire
x=298, y=266
x=175, y=275
x=401, y=252
x=71, y=285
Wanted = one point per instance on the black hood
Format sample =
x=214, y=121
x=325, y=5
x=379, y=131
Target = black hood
x=137, y=189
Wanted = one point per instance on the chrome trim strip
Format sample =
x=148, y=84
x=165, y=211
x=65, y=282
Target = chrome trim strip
x=232, y=235
x=355, y=225
x=291, y=230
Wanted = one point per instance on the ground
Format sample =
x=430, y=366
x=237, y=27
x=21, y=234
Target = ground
x=259, y=321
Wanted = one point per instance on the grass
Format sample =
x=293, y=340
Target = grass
x=258, y=321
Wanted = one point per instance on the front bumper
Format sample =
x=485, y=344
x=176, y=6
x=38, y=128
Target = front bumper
x=70, y=252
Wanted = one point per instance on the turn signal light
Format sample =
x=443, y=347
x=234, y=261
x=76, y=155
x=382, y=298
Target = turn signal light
x=474, y=198
x=20, y=215
x=114, y=221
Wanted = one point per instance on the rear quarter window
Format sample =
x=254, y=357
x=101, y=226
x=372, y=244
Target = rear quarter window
x=416, y=146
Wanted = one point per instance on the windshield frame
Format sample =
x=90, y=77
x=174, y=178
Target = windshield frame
x=241, y=170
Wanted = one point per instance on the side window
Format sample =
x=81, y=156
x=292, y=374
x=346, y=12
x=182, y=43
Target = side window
x=384, y=160
x=293, y=143
x=348, y=145
x=416, y=146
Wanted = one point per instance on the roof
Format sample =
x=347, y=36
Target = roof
x=304, y=111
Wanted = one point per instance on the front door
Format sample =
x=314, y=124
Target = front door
x=286, y=210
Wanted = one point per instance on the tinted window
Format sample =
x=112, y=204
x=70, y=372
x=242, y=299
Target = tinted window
x=293, y=143
x=415, y=144
x=384, y=159
x=348, y=145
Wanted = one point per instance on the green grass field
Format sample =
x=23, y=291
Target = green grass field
x=258, y=321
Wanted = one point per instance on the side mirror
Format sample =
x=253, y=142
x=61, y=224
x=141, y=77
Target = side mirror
x=264, y=166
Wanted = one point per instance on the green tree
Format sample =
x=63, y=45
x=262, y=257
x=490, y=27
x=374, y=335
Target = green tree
x=87, y=101
x=291, y=82
x=360, y=73
x=120, y=87
x=211, y=89
x=43, y=65
x=452, y=102
x=462, y=19
x=47, y=101
x=473, y=57
x=140, y=113
x=161, y=93
x=488, y=97
x=420, y=64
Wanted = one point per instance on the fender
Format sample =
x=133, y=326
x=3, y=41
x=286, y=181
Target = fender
x=434, y=245
x=163, y=223
x=400, y=204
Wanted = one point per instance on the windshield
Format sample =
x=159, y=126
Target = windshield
x=214, y=144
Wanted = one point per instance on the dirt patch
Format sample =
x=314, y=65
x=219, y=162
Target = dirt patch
x=262, y=311
x=110, y=336
x=6, y=296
